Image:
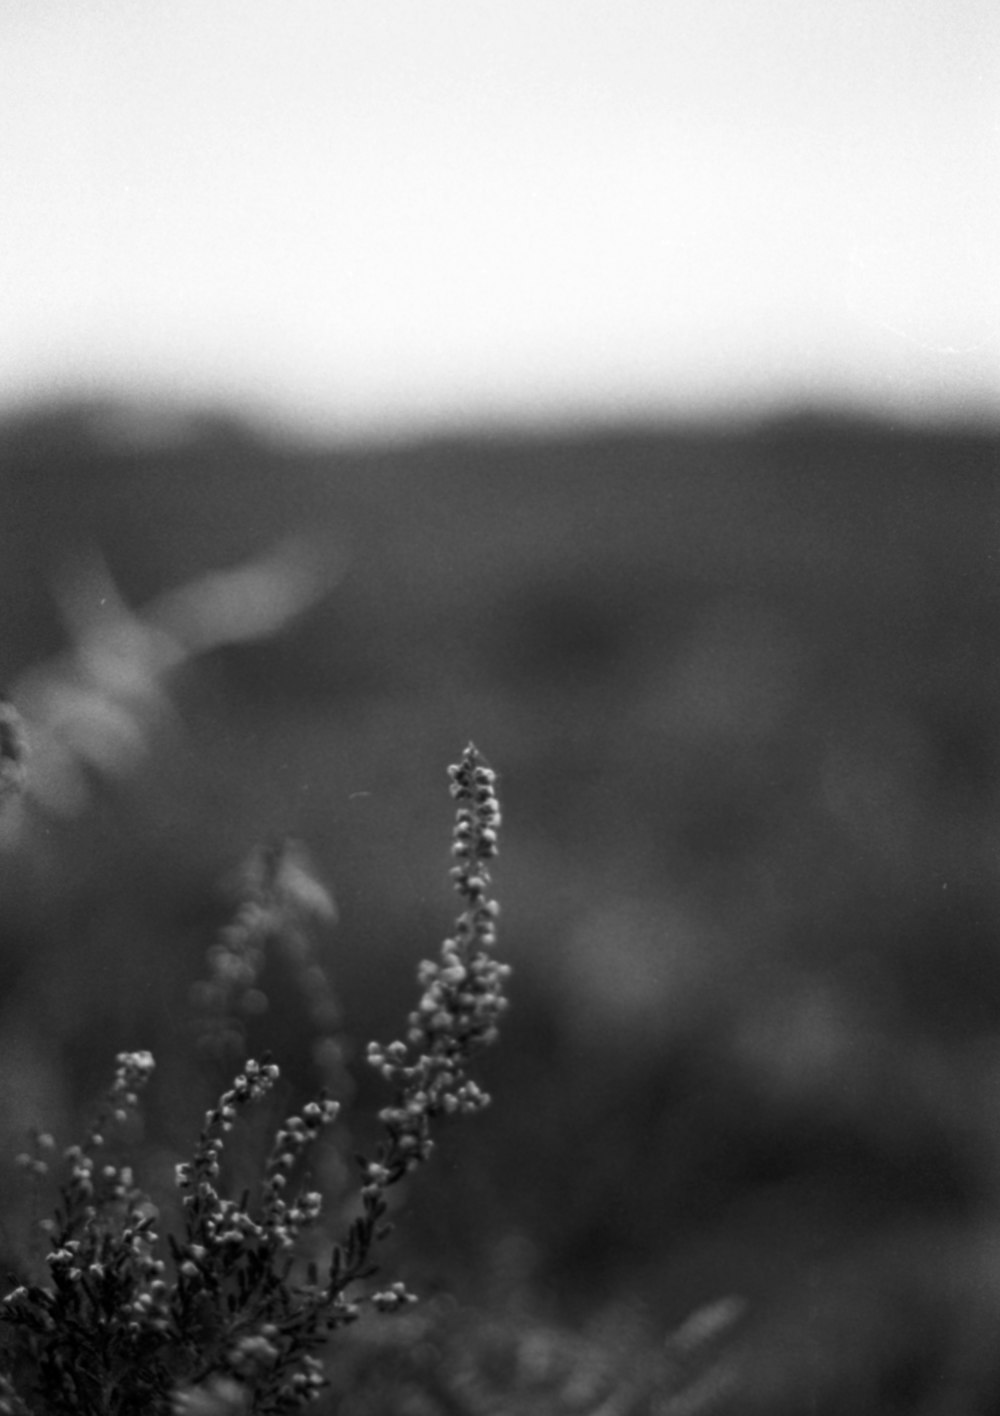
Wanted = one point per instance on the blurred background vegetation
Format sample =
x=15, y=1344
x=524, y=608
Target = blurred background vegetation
x=741, y=685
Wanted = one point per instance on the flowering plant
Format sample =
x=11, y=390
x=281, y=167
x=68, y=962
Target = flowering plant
x=223, y=1318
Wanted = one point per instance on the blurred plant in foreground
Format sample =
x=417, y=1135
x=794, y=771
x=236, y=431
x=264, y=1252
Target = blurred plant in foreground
x=280, y=900
x=225, y=1319
x=92, y=709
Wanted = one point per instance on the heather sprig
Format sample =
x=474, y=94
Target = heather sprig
x=230, y=1321
x=463, y=997
x=459, y=1010
x=236, y=1305
x=81, y=1338
x=292, y=1141
x=91, y=1187
x=281, y=901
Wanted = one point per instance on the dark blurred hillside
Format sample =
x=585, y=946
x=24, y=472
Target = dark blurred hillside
x=743, y=689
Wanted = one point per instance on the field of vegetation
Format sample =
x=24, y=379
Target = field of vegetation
x=741, y=690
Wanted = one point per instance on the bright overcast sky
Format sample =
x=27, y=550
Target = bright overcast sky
x=375, y=212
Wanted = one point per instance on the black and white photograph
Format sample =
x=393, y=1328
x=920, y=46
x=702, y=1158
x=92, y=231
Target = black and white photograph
x=499, y=708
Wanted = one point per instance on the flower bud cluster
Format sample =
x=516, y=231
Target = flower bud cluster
x=111, y=1265
x=305, y=1384
x=151, y=1307
x=230, y=994
x=225, y=1226
x=391, y=1299
x=36, y=1164
x=132, y=1071
x=281, y=902
x=89, y=1185
x=294, y=1137
x=196, y=1179
x=254, y=1351
x=463, y=993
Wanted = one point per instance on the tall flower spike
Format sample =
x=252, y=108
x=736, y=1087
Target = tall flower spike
x=463, y=994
